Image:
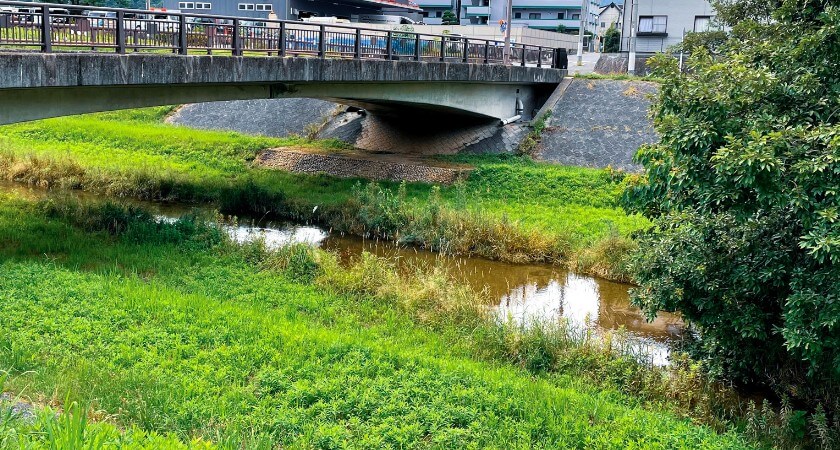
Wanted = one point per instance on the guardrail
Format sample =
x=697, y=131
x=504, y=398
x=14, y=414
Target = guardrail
x=51, y=28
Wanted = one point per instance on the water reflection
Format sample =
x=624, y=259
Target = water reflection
x=525, y=293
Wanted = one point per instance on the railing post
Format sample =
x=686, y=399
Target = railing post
x=465, y=51
x=322, y=41
x=389, y=46
x=523, y=56
x=357, y=45
x=183, y=45
x=237, y=39
x=120, y=37
x=486, y=52
x=282, y=43
x=443, y=48
x=539, y=56
x=46, y=30
x=417, y=47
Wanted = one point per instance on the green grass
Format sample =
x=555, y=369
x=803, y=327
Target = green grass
x=168, y=329
x=132, y=153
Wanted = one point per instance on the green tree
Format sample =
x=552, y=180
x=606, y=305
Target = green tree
x=612, y=40
x=711, y=41
x=561, y=28
x=449, y=18
x=744, y=191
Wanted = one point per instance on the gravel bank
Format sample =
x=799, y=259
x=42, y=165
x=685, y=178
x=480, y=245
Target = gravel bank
x=363, y=167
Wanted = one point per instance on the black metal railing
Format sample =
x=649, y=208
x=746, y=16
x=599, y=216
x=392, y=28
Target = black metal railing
x=53, y=28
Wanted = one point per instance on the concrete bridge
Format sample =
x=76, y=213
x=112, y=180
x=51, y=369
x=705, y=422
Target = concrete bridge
x=64, y=60
x=36, y=85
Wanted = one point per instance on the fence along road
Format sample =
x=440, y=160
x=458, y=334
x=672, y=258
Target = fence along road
x=67, y=28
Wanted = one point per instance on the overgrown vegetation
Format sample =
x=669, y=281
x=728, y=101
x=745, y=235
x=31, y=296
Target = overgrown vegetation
x=510, y=208
x=531, y=141
x=612, y=40
x=191, y=337
x=743, y=193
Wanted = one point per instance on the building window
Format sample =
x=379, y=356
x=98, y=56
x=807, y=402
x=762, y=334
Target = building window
x=438, y=13
x=561, y=16
x=425, y=13
x=203, y=6
x=517, y=15
x=264, y=7
x=603, y=24
x=246, y=6
x=186, y=5
x=702, y=23
x=653, y=24
x=575, y=16
x=534, y=16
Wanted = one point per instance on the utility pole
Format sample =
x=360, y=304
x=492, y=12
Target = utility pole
x=631, y=60
x=584, y=11
x=148, y=5
x=508, y=26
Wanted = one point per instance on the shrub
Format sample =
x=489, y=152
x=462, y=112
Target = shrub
x=742, y=189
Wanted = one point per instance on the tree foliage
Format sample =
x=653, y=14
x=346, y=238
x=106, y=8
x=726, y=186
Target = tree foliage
x=711, y=41
x=449, y=18
x=744, y=191
x=612, y=40
x=732, y=12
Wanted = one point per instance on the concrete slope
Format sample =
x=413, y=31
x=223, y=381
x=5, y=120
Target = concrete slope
x=599, y=123
x=275, y=117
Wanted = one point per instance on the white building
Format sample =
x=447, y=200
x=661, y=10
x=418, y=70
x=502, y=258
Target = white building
x=539, y=14
x=608, y=16
x=663, y=23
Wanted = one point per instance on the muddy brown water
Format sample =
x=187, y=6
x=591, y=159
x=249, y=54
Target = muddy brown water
x=524, y=292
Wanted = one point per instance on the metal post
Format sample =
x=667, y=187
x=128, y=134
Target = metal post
x=506, y=55
x=183, y=45
x=524, y=51
x=443, y=48
x=46, y=30
x=631, y=60
x=539, y=56
x=237, y=39
x=417, y=47
x=389, y=46
x=282, y=50
x=322, y=41
x=466, y=50
x=583, y=13
x=486, y=52
x=357, y=46
x=120, y=32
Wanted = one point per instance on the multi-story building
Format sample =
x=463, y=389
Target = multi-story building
x=609, y=16
x=540, y=14
x=296, y=9
x=663, y=23
x=433, y=10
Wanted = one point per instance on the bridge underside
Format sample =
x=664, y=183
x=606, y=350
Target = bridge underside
x=37, y=86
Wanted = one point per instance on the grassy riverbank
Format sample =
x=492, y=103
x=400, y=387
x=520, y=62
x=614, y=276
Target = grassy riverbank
x=173, y=330
x=510, y=208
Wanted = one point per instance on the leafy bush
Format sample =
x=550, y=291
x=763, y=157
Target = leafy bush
x=743, y=192
x=612, y=40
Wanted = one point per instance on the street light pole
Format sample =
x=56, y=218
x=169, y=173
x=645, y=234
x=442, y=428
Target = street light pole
x=631, y=60
x=583, y=12
x=508, y=26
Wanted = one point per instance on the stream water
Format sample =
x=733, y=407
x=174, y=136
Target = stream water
x=524, y=292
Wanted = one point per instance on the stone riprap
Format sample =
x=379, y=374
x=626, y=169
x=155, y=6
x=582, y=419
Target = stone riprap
x=599, y=123
x=354, y=166
x=275, y=117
